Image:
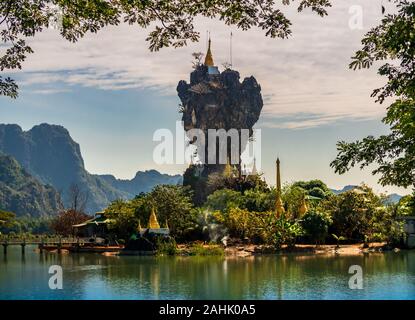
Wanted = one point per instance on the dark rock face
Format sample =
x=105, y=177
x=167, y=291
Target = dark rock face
x=50, y=154
x=217, y=102
x=220, y=101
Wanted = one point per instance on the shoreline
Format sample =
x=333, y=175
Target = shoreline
x=249, y=250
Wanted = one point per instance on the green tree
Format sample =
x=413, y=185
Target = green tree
x=316, y=225
x=259, y=200
x=354, y=213
x=31, y=225
x=292, y=197
x=173, y=204
x=172, y=22
x=243, y=223
x=393, y=154
x=283, y=230
x=315, y=188
x=63, y=222
x=223, y=200
x=6, y=219
x=125, y=219
x=406, y=206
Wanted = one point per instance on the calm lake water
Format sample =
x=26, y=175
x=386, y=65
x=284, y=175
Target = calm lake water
x=93, y=276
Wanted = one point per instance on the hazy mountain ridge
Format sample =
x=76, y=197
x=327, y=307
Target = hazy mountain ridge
x=143, y=181
x=390, y=198
x=345, y=189
x=49, y=153
x=22, y=193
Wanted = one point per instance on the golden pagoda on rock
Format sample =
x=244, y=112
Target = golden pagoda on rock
x=211, y=68
x=279, y=207
x=209, y=57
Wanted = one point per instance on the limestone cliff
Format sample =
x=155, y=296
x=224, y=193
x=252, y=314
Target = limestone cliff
x=217, y=101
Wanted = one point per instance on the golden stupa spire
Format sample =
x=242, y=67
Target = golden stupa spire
x=209, y=57
x=279, y=208
x=254, y=169
x=139, y=226
x=227, y=172
x=303, y=208
x=152, y=222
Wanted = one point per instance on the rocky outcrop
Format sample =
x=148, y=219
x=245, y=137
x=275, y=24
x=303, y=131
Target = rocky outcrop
x=217, y=102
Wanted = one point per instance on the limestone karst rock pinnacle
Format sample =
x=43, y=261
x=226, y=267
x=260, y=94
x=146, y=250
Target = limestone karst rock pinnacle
x=214, y=100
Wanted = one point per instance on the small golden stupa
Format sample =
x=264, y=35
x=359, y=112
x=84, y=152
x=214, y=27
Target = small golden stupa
x=279, y=207
x=152, y=222
x=228, y=171
x=211, y=68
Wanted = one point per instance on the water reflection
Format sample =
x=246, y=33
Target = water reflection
x=89, y=276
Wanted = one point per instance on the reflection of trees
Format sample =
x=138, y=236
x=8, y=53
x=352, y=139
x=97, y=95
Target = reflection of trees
x=261, y=277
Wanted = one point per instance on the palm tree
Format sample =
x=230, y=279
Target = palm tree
x=338, y=239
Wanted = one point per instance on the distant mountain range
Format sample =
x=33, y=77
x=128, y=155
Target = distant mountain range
x=50, y=156
x=143, y=181
x=391, y=198
x=345, y=189
x=38, y=167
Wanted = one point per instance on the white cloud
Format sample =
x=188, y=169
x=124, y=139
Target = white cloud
x=306, y=74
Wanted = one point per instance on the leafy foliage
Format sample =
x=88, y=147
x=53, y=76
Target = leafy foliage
x=257, y=199
x=406, y=206
x=243, y=224
x=28, y=225
x=6, y=218
x=124, y=216
x=315, y=188
x=355, y=213
x=292, y=197
x=22, y=193
x=223, y=200
x=316, y=225
x=172, y=205
x=283, y=230
x=394, y=154
x=172, y=22
x=219, y=181
x=62, y=224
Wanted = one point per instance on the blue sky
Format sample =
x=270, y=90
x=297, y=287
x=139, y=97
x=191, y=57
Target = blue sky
x=111, y=93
